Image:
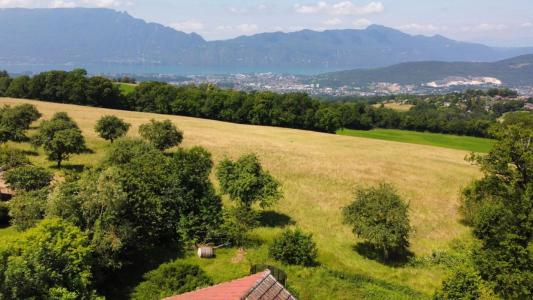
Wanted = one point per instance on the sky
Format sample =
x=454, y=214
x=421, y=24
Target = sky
x=495, y=23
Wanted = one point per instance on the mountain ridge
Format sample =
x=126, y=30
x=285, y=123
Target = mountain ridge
x=74, y=36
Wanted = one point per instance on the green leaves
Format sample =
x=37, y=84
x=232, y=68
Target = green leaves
x=380, y=216
x=294, y=247
x=28, y=178
x=247, y=183
x=161, y=135
x=111, y=128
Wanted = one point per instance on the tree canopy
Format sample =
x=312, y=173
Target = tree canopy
x=111, y=128
x=161, y=134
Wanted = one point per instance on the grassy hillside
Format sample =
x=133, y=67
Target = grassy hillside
x=466, y=143
x=319, y=173
x=126, y=88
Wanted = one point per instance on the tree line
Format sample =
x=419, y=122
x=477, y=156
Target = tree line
x=292, y=110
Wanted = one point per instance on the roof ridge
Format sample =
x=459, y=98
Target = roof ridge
x=267, y=273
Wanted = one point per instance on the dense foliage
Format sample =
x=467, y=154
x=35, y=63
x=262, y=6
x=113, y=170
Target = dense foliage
x=380, y=216
x=469, y=113
x=28, y=178
x=14, y=121
x=60, y=137
x=141, y=199
x=161, y=134
x=12, y=158
x=51, y=261
x=170, y=279
x=111, y=128
x=27, y=208
x=462, y=284
x=500, y=208
x=294, y=247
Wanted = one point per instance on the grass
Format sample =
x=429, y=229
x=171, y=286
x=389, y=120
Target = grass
x=126, y=88
x=467, y=143
x=395, y=106
x=319, y=173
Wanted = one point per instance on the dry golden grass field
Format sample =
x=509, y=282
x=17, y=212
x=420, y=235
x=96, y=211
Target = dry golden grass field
x=396, y=106
x=319, y=173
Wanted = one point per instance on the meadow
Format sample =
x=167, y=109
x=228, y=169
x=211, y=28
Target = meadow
x=319, y=173
x=467, y=143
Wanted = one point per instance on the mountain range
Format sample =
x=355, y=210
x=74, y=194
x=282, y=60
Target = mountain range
x=78, y=36
x=517, y=71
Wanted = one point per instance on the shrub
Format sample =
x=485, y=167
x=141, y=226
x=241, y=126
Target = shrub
x=162, y=134
x=294, y=247
x=171, y=279
x=12, y=158
x=28, y=178
x=462, y=284
x=27, y=208
x=111, y=128
x=380, y=216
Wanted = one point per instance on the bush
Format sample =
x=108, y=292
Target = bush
x=27, y=208
x=295, y=248
x=11, y=158
x=380, y=216
x=462, y=284
x=28, y=178
x=170, y=279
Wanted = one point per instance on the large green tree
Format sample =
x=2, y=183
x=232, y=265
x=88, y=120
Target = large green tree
x=380, y=216
x=500, y=207
x=60, y=137
x=15, y=120
x=51, y=260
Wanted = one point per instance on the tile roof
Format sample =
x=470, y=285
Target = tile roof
x=260, y=286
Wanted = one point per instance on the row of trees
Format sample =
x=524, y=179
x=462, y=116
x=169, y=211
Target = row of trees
x=294, y=110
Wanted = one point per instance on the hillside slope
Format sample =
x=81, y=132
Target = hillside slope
x=102, y=36
x=512, y=72
x=319, y=173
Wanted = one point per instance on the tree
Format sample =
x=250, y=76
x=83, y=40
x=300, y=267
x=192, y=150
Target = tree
x=60, y=137
x=294, y=247
x=27, y=208
x=170, y=279
x=111, y=128
x=503, y=218
x=28, y=178
x=14, y=121
x=247, y=183
x=380, y=216
x=49, y=260
x=462, y=284
x=162, y=134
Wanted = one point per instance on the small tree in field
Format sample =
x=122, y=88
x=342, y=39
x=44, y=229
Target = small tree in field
x=60, y=137
x=380, y=216
x=111, y=128
x=28, y=178
x=162, y=135
x=247, y=183
x=462, y=284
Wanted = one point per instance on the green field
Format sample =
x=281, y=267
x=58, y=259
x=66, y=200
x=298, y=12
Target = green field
x=319, y=173
x=467, y=143
x=126, y=88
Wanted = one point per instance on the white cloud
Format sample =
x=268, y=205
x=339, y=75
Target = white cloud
x=485, y=27
x=332, y=22
x=247, y=28
x=419, y=27
x=188, y=26
x=527, y=24
x=343, y=8
x=361, y=23
x=62, y=4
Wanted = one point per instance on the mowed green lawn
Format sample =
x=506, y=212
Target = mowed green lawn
x=467, y=143
x=126, y=88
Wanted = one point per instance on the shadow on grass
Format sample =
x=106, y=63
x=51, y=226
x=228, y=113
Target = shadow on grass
x=71, y=168
x=272, y=218
x=30, y=152
x=120, y=284
x=397, y=259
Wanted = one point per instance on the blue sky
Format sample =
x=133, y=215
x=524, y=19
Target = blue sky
x=498, y=23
